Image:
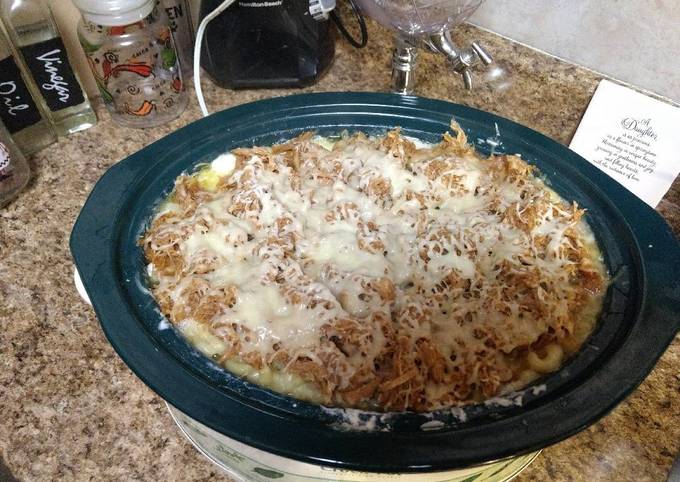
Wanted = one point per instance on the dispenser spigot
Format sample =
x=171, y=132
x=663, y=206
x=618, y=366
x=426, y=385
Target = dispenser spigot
x=404, y=59
x=467, y=59
x=461, y=61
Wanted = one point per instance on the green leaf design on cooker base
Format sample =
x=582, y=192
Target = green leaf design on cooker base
x=503, y=467
x=270, y=474
x=471, y=478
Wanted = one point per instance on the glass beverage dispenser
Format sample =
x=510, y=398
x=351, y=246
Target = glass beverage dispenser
x=426, y=24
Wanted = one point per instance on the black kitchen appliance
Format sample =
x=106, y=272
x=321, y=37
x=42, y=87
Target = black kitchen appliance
x=267, y=43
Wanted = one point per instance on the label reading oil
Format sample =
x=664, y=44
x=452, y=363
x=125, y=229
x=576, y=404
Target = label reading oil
x=17, y=109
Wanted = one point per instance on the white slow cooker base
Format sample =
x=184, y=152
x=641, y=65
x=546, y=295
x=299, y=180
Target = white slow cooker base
x=248, y=464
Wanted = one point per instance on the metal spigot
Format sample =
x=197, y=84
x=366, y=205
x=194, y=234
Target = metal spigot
x=405, y=57
x=404, y=60
x=467, y=59
x=461, y=61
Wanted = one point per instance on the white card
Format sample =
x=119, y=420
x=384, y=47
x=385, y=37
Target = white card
x=633, y=138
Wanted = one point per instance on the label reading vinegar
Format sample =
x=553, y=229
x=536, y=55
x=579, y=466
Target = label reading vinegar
x=17, y=109
x=52, y=71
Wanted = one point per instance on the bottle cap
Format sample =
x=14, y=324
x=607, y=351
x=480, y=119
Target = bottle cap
x=113, y=13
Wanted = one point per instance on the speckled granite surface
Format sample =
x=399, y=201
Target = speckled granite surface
x=71, y=410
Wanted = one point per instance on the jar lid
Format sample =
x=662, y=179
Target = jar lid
x=112, y=13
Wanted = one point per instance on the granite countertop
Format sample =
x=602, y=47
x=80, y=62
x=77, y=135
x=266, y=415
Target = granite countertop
x=71, y=410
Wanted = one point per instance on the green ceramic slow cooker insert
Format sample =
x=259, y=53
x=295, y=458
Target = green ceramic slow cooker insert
x=641, y=312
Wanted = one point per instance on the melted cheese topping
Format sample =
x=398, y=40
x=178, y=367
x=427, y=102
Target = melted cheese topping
x=374, y=273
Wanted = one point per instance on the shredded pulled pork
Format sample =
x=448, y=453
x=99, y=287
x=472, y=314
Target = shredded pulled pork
x=383, y=274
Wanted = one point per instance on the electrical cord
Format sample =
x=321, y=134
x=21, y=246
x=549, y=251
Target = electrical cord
x=197, y=53
x=362, y=26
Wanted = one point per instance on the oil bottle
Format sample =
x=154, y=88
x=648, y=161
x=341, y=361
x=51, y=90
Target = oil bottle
x=32, y=29
x=23, y=117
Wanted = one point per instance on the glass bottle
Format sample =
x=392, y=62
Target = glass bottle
x=182, y=26
x=132, y=55
x=32, y=29
x=24, y=118
x=14, y=170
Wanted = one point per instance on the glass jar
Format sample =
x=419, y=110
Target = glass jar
x=14, y=170
x=131, y=52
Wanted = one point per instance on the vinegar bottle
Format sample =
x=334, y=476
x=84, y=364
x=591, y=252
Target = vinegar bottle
x=23, y=117
x=33, y=31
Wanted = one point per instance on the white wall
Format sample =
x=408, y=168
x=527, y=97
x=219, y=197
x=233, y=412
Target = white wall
x=637, y=41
